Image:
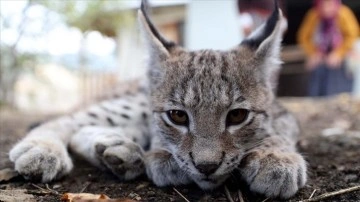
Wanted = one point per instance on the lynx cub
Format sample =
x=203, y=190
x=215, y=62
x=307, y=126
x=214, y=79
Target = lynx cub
x=206, y=114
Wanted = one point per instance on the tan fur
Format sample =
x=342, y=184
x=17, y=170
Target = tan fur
x=206, y=85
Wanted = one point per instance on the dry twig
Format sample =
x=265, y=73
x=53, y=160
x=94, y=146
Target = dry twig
x=265, y=200
x=334, y=193
x=86, y=185
x=312, y=194
x=228, y=195
x=241, y=199
x=43, y=191
x=182, y=196
x=51, y=190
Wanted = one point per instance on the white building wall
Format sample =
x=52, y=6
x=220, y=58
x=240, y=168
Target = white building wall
x=208, y=24
x=132, y=54
x=212, y=24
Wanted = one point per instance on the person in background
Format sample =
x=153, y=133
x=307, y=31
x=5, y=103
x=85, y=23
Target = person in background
x=327, y=34
x=254, y=13
x=354, y=66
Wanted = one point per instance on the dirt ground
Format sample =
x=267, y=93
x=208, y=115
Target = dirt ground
x=330, y=142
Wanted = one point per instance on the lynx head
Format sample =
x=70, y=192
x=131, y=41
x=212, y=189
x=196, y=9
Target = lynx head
x=208, y=105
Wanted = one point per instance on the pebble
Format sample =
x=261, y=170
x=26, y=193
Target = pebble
x=56, y=186
x=141, y=186
x=135, y=196
x=151, y=193
x=4, y=186
x=351, y=178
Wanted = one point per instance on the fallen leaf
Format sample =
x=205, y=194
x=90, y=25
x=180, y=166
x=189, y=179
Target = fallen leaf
x=87, y=197
x=16, y=195
x=106, y=200
x=7, y=174
x=70, y=197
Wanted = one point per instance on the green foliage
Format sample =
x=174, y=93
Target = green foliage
x=107, y=17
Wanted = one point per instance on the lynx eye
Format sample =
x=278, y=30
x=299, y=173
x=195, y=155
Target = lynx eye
x=236, y=116
x=178, y=117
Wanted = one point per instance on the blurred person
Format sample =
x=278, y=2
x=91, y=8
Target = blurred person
x=327, y=34
x=254, y=13
x=354, y=66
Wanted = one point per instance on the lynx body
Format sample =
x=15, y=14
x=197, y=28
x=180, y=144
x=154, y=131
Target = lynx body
x=203, y=115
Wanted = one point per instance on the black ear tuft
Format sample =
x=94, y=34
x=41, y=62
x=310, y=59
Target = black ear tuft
x=267, y=31
x=144, y=6
x=144, y=9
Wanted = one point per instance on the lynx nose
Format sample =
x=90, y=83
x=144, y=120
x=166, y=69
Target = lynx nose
x=208, y=168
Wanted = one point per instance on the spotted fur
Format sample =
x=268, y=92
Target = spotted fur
x=206, y=85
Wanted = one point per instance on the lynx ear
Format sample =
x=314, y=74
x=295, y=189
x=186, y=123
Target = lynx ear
x=158, y=45
x=265, y=42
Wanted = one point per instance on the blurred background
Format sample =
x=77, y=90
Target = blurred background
x=58, y=55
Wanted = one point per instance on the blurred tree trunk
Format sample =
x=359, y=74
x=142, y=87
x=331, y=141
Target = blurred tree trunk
x=83, y=69
x=9, y=72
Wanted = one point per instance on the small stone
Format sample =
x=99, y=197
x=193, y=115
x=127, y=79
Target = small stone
x=320, y=167
x=151, y=193
x=135, y=196
x=351, y=178
x=4, y=186
x=56, y=186
x=353, y=184
x=141, y=186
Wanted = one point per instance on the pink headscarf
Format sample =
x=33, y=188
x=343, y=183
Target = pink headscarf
x=318, y=6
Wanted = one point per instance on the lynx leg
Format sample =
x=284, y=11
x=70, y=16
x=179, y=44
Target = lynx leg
x=274, y=172
x=163, y=170
x=42, y=154
x=110, y=148
x=41, y=159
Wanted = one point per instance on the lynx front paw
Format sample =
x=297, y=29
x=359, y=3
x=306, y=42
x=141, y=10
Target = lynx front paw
x=163, y=170
x=40, y=160
x=111, y=149
x=125, y=160
x=276, y=174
